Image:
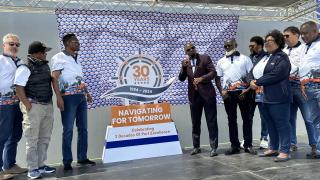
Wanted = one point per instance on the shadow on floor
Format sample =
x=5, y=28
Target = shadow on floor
x=241, y=166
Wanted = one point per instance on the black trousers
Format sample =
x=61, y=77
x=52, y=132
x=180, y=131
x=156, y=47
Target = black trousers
x=246, y=106
x=210, y=109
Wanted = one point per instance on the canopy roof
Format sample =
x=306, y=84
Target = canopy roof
x=268, y=10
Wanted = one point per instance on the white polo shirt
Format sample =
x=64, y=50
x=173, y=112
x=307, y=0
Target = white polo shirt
x=234, y=72
x=259, y=67
x=71, y=78
x=22, y=76
x=310, y=64
x=7, y=72
x=294, y=54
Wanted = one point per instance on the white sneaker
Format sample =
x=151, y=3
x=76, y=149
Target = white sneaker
x=264, y=144
x=241, y=144
x=34, y=174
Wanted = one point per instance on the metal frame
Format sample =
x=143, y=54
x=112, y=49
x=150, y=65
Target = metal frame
x=301, y=11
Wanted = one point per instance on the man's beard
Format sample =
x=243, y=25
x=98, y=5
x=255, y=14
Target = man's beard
x=253, y=53
x=230, y=52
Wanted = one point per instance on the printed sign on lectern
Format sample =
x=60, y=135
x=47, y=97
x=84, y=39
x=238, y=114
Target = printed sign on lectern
x=140, y=131
x=144, y=130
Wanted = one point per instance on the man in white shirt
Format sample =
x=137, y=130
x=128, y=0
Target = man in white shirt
x=310, y=75
x=10, y=114
x=72, y=98
x=33, y=84
x=294, y=51
x=233, y=68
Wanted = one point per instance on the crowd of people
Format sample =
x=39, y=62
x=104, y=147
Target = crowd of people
x=280, y=76
x=26, y=105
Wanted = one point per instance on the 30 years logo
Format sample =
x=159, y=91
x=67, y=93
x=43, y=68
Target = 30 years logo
x=139, y=78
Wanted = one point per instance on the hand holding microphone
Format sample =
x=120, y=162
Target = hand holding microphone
x=186, y=62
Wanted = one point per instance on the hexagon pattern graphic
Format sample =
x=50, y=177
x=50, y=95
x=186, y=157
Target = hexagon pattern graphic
x=107, y=35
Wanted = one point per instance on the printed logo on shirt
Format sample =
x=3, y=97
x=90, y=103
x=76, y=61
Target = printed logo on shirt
x=235, y=85
x=294, y=76
x=9, y=97
x=313, y=76
x=77, y=87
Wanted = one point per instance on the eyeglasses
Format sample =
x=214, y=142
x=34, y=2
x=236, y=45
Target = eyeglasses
x=251, y=46
x=286, y=36
x=227, y=46
x=268, y=41
x=190, y=49
x=14, y=44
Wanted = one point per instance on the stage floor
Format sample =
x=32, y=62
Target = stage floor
x=242, y=166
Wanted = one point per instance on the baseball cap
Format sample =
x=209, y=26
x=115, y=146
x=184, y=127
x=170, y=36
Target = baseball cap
x=37, y=46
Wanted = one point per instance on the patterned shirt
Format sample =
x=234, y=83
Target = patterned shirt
x=294, y=54
x=310, y=64
x=233, y=70
x=71, y=78
x=8, y=67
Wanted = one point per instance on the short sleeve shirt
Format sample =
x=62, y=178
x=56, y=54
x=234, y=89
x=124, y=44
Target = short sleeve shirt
x=71, y=78
x=310, y=64
x=8, y=68
x=22, y=75
x=234, y=71
x=294, y=57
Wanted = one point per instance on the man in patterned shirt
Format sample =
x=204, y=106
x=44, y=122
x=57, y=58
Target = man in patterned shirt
x=233, y=68
x=10, y=114
x=309, y=74
x=72, y=98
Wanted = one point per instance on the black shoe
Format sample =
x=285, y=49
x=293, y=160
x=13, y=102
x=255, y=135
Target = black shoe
x=213, y=152
x=67, y=167
x=86, y=162
x=195, y=151
x=250, y=150
x=232, y=151
x=294, y=148
x=313, y=154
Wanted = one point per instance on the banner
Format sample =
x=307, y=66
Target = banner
x=107, y=36
x=140, y=131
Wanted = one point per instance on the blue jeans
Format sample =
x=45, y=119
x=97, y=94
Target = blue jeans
x=313, y=102
x=75, y=108
x=264, y=125
x=277, y=116
x=300, y=102
x=11, y=133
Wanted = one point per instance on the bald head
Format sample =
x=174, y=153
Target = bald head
x=230, y=44
x=309, y=31
x=190, y=49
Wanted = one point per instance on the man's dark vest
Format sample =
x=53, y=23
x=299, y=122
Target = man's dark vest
x=38, y=86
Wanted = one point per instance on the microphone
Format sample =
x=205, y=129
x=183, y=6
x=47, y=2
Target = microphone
x=187, y=60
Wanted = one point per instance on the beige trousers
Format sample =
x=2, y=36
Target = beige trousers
x=37, y=128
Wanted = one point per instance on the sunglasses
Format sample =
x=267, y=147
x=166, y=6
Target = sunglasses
x=286, y=36
x=227, y=46
x=268, y=41
x=190, y=49
x=14, y=44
